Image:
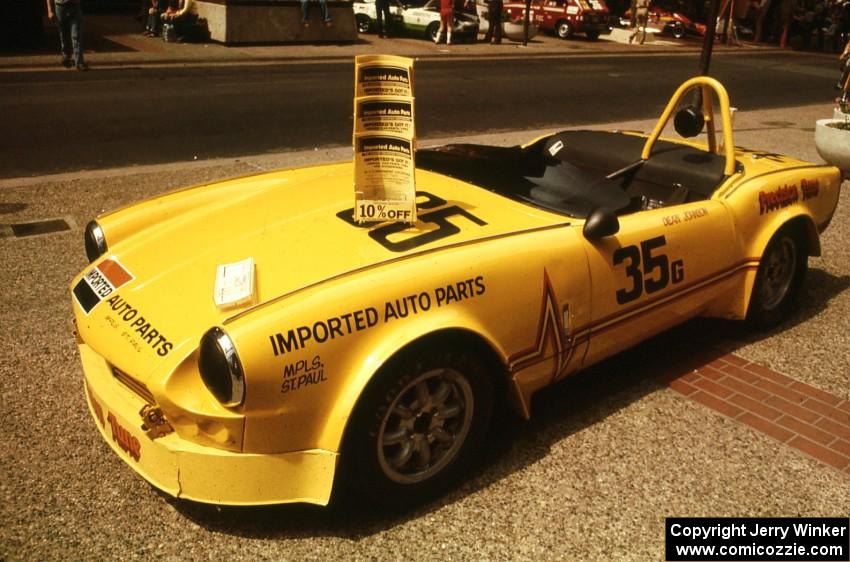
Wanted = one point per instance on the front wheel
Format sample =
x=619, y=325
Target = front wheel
x=564, y=29
x=677, y=30
x=364, y=24
x=780, y=275
x=419, y=426
x=592, y=35
x=432, y=30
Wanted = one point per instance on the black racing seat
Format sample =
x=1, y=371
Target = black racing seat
x=671, y=167
x=566, y=172
x=566, y=187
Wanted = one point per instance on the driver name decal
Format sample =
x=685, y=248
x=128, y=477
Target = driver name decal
x=321, y=331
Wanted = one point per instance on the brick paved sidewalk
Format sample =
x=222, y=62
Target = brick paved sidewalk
x=797, y=414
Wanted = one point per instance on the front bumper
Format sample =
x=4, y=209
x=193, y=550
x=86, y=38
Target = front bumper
x=184, y=469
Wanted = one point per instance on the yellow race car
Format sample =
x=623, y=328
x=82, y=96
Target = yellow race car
x=247, y=342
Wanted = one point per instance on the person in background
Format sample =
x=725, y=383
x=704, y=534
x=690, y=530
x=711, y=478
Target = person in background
x=178, y=16
x=69, y=16
x=382, y=7
x=323, y=6
x=154, y=19
x=844, y=82
x=446, y=18
x=494, y=22
x=641, y=17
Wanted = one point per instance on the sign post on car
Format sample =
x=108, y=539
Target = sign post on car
x=384, y=140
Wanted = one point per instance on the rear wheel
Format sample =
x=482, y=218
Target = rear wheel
x=592, y=35
x=364, y=23
x=419, y=426
x=432, y=30
x=780, y=275
x=563, y=29
x=678, y=30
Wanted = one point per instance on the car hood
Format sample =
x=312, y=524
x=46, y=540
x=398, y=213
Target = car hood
x=297, y=227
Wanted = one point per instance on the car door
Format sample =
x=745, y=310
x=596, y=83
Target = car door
x=417, y=19
x=663, y=266
x=552, y=298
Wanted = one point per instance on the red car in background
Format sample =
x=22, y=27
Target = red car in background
x=664, y=21
x=565, y=17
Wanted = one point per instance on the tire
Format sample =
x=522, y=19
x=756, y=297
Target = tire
x=678, y=30
x=592, y=35
x=780, y=275
x=432, y=30
x=364, y=23
x=563, y=29
x=419, y=426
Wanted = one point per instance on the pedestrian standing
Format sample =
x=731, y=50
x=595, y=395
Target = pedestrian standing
x=641, y=17
x=446, y=17
x=69, y=16
x=382, y=7
x=494, y=22
x=305, y=13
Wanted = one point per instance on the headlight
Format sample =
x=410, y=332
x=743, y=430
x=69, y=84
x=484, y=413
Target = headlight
x=95, y=241
x=221, y=369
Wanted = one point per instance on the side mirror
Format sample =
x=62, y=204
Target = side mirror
x=689, y=122
x=600, y=223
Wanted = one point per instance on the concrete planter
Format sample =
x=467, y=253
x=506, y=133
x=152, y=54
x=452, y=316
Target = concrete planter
x=837, y=114
x=833, y=144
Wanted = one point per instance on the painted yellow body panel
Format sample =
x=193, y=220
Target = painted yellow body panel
x=335, y=301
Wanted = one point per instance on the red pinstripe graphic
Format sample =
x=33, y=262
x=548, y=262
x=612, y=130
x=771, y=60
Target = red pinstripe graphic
x=550, y=327
x=550, y=335
x=612, y=320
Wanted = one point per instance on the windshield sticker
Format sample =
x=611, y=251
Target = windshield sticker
x=100, y=282
x=321, y=331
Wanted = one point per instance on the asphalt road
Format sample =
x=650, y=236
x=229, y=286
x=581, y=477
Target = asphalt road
x=58, y=122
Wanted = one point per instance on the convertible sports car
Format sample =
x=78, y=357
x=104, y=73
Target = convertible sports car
x=247, y=342
x=414, y=19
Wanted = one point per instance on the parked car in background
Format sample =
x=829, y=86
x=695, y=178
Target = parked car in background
x=664, y=21
x=512, y=27
x=565, y=17
x=416, y=20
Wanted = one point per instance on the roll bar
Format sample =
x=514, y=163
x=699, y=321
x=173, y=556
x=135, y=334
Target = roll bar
x=708, y=85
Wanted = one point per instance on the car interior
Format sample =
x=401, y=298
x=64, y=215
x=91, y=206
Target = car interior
x=575, y=172
x=580, y=173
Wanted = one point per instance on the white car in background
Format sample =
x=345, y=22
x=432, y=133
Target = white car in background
x=409, y=19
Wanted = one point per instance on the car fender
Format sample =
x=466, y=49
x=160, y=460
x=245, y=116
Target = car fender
x=286, y=410
x=372, y=361
x=761, y=205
